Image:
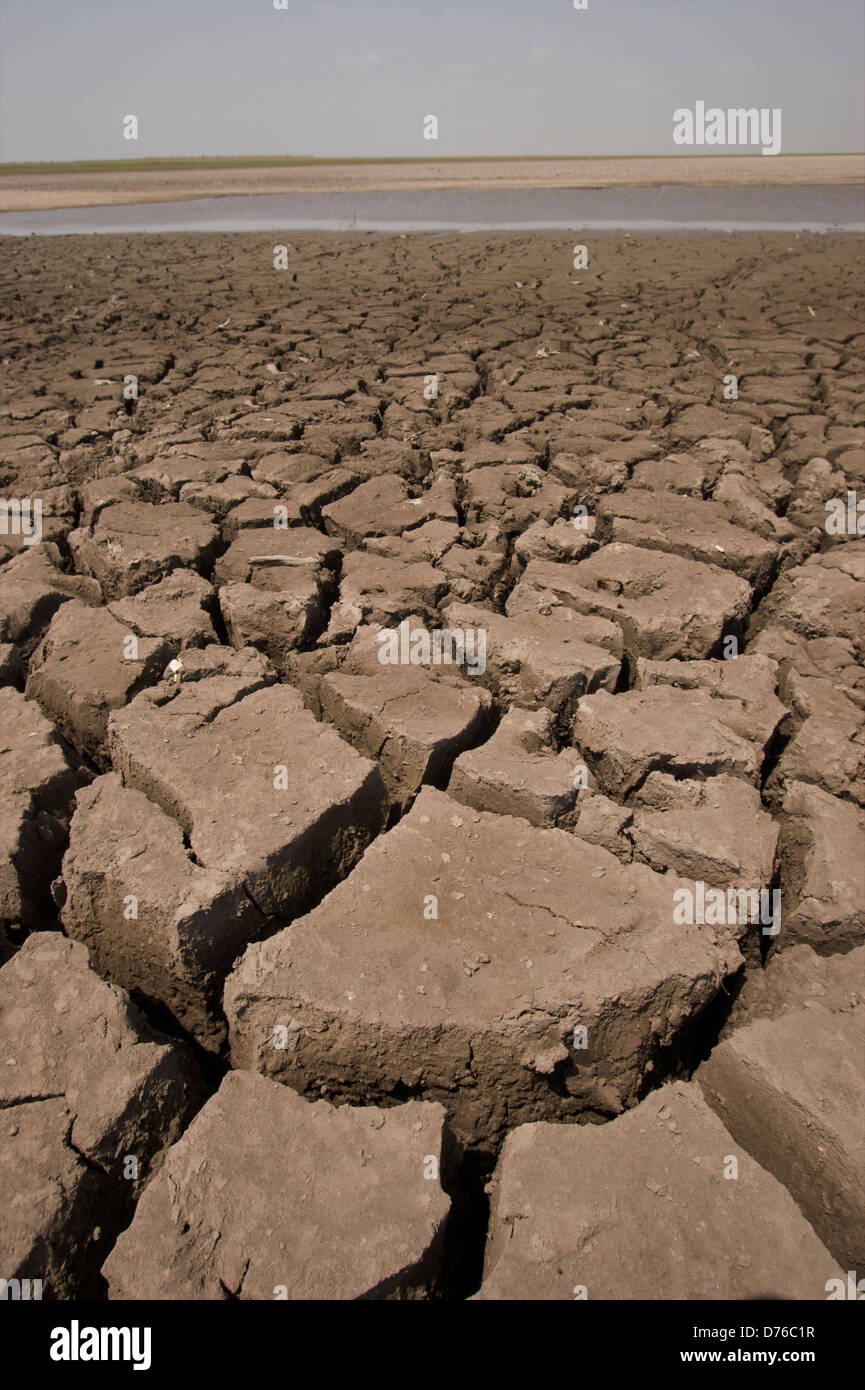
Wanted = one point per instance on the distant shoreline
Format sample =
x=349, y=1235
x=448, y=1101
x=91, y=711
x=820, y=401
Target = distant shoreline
x=23, y=189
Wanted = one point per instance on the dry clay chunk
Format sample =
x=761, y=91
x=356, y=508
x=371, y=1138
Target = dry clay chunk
x=388, y=588
x=275, y=584
x=413, y=719
x=828, y=748
x=33, y=588
x=275, y=623
x=641, y=1208
x=744, y=688
x=11, y=665
x=798, y=978
x=791, y=1090
x=262, y=790
x=383, y=507
x=539, y=660
x=825, y=597
x=823, y=859
x=153, y=919
x=716, y=830
x=628, y=736
x=87, y=665
x=54, y=1204
x=517, y=772
x=85, y=1086
x=667, y=606
x=457, y=960
x=37, y=783
x=134, y=544
x=686, y=526
x=178, y=609
x=268, y=557
x=685, y=733
x=268, y=1196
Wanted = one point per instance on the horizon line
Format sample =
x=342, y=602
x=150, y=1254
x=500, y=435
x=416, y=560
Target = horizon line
x=142, y=161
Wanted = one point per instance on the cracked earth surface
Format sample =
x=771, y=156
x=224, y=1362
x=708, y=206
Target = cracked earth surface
x=329, y=977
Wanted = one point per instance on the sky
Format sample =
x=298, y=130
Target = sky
x=357, y=77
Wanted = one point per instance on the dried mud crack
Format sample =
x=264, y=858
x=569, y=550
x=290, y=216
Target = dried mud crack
x=432, y=752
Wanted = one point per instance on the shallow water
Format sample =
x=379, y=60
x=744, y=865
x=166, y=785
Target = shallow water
x=668, y=209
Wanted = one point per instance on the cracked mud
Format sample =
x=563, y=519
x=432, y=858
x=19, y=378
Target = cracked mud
x=333, y=974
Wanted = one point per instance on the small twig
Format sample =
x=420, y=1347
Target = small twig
x=283, y=559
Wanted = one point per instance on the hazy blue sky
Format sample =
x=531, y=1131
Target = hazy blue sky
x=357, y=77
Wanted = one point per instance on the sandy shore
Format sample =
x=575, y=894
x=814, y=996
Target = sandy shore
x=33, y=192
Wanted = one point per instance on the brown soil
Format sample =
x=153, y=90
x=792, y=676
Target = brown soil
x=384, y=886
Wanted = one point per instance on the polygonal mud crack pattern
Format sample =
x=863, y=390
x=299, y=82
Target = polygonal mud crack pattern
x=437, y=897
